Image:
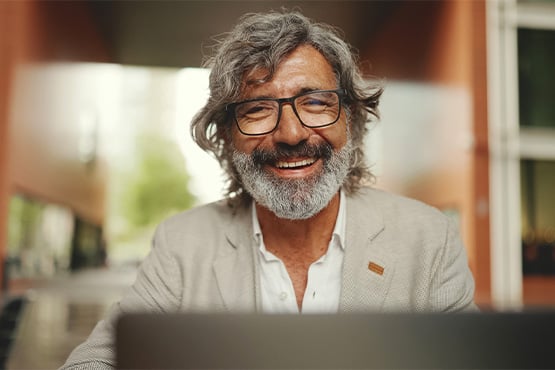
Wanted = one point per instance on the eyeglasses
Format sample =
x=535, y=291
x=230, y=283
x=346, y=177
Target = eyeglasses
x=261, y=116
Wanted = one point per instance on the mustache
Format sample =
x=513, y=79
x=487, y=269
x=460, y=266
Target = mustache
x=284, y=151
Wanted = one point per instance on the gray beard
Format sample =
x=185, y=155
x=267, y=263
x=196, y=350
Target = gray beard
x=294, y=199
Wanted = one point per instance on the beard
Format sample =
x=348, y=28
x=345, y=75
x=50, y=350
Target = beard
x=294, y=199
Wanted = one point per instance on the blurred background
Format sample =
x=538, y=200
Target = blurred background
x=95, y=103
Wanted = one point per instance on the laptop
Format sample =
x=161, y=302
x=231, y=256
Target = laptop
x=359, y=341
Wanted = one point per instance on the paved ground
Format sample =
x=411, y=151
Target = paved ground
x=61, y=314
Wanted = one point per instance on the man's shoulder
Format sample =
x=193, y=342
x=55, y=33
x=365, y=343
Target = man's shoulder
x=412, y=224
x=396, y=206
x=213, y=213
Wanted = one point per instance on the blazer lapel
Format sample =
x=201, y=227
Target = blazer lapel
x=369, y=265
x=234, y=268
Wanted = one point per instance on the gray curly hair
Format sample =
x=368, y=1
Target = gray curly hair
x=262, y=41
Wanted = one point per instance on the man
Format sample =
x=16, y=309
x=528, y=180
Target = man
x=299, y=231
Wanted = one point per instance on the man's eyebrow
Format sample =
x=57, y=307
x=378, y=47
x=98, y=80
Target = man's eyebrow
x=307, y=89
x=298, y=92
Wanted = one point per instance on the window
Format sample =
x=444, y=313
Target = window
x=521, y=54
x=536, y=76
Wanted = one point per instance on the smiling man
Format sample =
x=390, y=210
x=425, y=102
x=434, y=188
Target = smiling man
x=300, y=229
x=292, y=155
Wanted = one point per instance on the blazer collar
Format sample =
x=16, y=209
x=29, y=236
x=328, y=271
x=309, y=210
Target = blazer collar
x=368, y=265
x=235, y=266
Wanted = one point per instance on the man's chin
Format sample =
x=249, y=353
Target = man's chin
x=294, y=214
x=299, y=204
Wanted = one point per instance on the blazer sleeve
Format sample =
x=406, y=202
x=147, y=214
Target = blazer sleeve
x=156, y=289
x=452, y=284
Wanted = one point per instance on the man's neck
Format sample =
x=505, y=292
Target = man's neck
x=312, y=235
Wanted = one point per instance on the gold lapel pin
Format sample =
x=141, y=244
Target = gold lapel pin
x=374, y=267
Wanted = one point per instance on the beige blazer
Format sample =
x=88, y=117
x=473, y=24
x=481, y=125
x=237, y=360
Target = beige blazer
x=400, y=255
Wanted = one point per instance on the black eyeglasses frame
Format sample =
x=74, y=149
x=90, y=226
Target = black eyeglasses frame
x=230, y=108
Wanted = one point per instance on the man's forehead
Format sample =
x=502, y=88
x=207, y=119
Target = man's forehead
x=312, y=60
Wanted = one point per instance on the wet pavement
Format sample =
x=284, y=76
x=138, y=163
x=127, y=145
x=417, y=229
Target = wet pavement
x=61, y=313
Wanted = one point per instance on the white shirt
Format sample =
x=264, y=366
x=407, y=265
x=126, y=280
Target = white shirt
x=324, y=276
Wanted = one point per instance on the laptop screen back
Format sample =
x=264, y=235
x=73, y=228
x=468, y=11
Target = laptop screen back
x=362, y=341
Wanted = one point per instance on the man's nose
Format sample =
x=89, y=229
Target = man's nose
x=290, y=130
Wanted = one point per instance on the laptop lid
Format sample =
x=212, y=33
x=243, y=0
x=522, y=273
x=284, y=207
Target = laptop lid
x=361, y=341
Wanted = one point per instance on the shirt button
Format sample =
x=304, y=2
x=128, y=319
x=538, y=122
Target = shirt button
x=283, y=296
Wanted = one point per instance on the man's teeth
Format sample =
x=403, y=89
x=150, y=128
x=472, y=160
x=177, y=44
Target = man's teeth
x=304, y=162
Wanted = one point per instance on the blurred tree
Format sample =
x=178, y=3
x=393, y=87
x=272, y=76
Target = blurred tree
x=159, y=185
x=24, y=218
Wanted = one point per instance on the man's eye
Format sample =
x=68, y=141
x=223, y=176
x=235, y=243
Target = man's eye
x=254, y=110
x=315, y=102
x=314, y=105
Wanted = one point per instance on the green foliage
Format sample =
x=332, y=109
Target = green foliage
x=24, y=216
x=158, y=187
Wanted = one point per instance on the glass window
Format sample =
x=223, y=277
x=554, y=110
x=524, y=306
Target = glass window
x=536, y=74
x=538, y=216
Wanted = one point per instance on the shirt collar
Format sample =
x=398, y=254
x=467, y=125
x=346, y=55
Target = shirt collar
x=338, y=230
